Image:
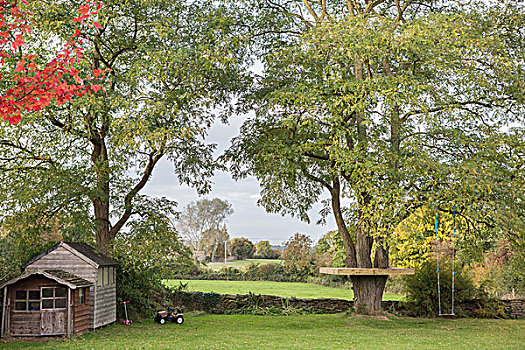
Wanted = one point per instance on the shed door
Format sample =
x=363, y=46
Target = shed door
x=53, y=320
x=53, y=323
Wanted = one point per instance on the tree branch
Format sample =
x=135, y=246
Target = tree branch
x=315, y=178
x=154, y=157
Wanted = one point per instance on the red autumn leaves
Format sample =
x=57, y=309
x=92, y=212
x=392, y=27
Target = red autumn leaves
x=32, y=87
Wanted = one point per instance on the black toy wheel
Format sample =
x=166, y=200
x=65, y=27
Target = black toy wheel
x=162, y=321
x=179, y=320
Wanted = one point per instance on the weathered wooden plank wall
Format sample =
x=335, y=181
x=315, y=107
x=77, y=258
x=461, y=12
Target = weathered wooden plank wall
x=63, y=259
x=25, y=323
x=105, y=305
x=81, y=314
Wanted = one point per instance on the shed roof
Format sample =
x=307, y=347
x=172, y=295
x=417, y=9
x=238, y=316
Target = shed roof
x=91, y=253
x=85, y=250
x=59, y=276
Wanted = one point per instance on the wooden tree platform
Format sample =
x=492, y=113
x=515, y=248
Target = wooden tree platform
x=365, y=272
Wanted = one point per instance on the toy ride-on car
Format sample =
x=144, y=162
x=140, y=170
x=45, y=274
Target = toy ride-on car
x=164, y=316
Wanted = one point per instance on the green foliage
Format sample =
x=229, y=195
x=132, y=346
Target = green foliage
x=268, y=272
x=16, y=251
x=330, y=250
x=264, y=250
x=422, y=299
x=390, y=109
x=194, y=300
x=253, y=272
x=413, y=240
x=298, y=257
x=153, y=244
x=242, y=248
x=149, y=252
x=513, y=275
x=171, y=67
x=501, y=271
x=139, y=286
x=251, y=305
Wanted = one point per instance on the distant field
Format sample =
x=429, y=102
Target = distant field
x=282, y=289
x=242, y=264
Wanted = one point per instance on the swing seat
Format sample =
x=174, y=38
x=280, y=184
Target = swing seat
x=446, y=314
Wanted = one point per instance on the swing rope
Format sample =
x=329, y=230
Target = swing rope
x=437, y=262
x=453, y=262
x=453, y=255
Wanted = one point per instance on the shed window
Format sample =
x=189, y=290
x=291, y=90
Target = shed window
x=47, y=292
x=81, y=296
x=111, y=275
x=106, y=276
x=54, y=298
x=100, y=276
x=27, y=300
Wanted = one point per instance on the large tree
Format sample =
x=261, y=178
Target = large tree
x=388, y=106
x=199, y=224
x=172, y=65
x=213, y=239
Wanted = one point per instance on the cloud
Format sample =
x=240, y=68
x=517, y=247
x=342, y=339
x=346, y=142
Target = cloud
x=248, y=219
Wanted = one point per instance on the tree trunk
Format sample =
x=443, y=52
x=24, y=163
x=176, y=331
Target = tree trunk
x=350, y=259
x=214, y=251
x=100, y=198
x=368, y=292
x=103, y=227
x=363, y=241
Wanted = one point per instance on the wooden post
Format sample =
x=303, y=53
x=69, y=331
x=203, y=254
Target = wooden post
x=69, y=302
x=4, y=310
x=8, y=318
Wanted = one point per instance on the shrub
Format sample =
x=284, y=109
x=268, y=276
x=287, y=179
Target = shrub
x=208, y=302
x=423, y=294
x=142, y=288
x=242, y=248
x=298, y=257
x=254, y=272
x=333, y=281
x=330, y=251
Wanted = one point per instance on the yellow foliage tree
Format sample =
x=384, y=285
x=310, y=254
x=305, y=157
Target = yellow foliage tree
x=414, y=239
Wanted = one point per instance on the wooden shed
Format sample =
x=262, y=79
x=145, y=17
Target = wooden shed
x=50, y=302
x=83, y=261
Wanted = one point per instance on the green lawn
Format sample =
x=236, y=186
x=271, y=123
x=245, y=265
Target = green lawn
x=282, y=289
x=242, y=264
x=298, y=332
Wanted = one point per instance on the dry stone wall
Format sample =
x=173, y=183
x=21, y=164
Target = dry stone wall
x=216, y=303
x=515, y=308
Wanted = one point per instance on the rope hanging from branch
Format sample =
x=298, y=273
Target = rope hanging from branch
x=440, y=313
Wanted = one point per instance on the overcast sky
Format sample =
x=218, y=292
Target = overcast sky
x=248, y=219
